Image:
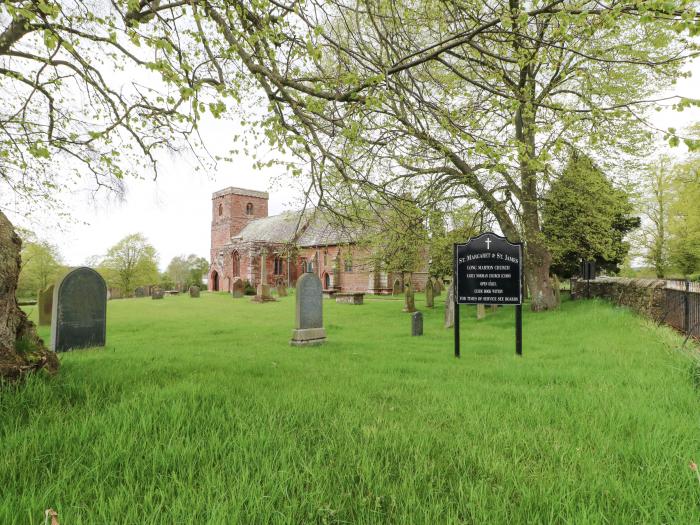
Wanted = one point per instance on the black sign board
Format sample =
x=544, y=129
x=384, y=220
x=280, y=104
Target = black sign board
x=489, y=271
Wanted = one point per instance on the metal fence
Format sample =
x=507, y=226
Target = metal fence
x=682, y=307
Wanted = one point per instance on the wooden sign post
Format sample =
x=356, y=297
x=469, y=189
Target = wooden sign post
x=488, y=270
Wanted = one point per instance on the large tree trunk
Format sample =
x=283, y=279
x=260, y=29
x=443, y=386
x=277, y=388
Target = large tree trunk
x=21, y=350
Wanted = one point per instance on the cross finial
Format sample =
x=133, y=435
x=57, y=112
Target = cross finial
x=488, y=243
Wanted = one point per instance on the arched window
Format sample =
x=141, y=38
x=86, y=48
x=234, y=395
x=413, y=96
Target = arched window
x=221, y=210
x=278, y=265
x=249, y=209
x=348, y=263
x=236, y=264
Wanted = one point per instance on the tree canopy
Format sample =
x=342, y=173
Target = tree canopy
x=130, y=263
x=586, y=217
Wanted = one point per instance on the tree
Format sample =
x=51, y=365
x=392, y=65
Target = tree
x=457, y=226
x=41, y=265
x=187, y=270
x=470, y=99
x=130, y=263
x=586, y=217
x=657, y=195
x=684, y=225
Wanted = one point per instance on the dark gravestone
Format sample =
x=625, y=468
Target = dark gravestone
x=238, y=288
x=194, y=291
x=437, y=287
x=157, y=293
x=429, y=295
x=396, y=289
x=45, y=304
x=309, y=312
x=140, y=292
x=417, y=323
x=79, y=316
x=409, y=301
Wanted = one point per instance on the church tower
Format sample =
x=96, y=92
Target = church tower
x=231, y=210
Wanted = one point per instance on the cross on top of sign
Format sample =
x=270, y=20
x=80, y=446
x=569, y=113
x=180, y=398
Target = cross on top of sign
x=488, y=243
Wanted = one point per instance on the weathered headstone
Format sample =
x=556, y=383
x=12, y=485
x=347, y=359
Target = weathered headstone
x=194, y=291
x=429, y=295
x=45, y=304
x=238, y=288
x=140, y=292
x=157, y=293
x=262, y=294
x=437, y=287
x=396, y=290
x=409, y=300
x=79, y=313
x=309, y=312
x=450, y=307
x=480, y=311
x=417, y=323
x=281, y=290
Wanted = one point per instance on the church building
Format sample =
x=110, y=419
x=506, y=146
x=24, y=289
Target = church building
x=244, y=237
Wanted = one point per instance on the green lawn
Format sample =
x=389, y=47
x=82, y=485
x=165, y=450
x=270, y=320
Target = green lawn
x=199, y=411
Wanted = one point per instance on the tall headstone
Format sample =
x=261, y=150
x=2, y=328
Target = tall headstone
x=263, y=291
x=409, y=301
x=281, y=290
x=309, y=312
x=480, y=311
x=437, y=287
x=450, y=307
x=194, y=291
x=79, y=315
x=429, y=295
x=45, y=304
x=417, y=323
x=238, y=288
x=396, y=289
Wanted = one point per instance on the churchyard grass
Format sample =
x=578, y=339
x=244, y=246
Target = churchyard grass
x=199, y=411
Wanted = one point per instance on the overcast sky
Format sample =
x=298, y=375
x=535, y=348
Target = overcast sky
x=174, y=212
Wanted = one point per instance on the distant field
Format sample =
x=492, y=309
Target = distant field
x=198, y=411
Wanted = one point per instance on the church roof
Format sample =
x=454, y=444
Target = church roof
x=305, y=229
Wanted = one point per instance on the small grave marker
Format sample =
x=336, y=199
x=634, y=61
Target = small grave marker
x=309, y=312
x=416, y=323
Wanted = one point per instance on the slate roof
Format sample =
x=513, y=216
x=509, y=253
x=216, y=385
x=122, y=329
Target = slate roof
x=305, y=229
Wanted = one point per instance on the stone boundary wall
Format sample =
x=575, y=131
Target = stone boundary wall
x=645, y=296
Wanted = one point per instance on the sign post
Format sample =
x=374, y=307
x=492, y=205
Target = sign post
x=488, y=270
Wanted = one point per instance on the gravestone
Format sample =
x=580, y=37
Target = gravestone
x=396, y=290
x=450, y=307
x=493, y=307
x=194, y=291
x=157, y=293
x=409, y=301
x=417, y=323
x=309, y=312
x=350, y=298
x=140, y=292
x=281, y=290
x=437, y=287
x=45, y=304
x=79, y=313
x=263, y=290
x=480, y=311
x=429, y=295
x=238, y=288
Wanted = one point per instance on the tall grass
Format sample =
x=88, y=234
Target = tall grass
x=199, y=411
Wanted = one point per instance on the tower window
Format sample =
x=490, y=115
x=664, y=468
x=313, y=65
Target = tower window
x=221, y=210
x=249, y=209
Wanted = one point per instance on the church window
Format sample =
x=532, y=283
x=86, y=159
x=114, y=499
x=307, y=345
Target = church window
x=221, y=210
x=236, y=264
x=249, y=209
x=278, y=265
x=348, y=263
x=325, y=257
